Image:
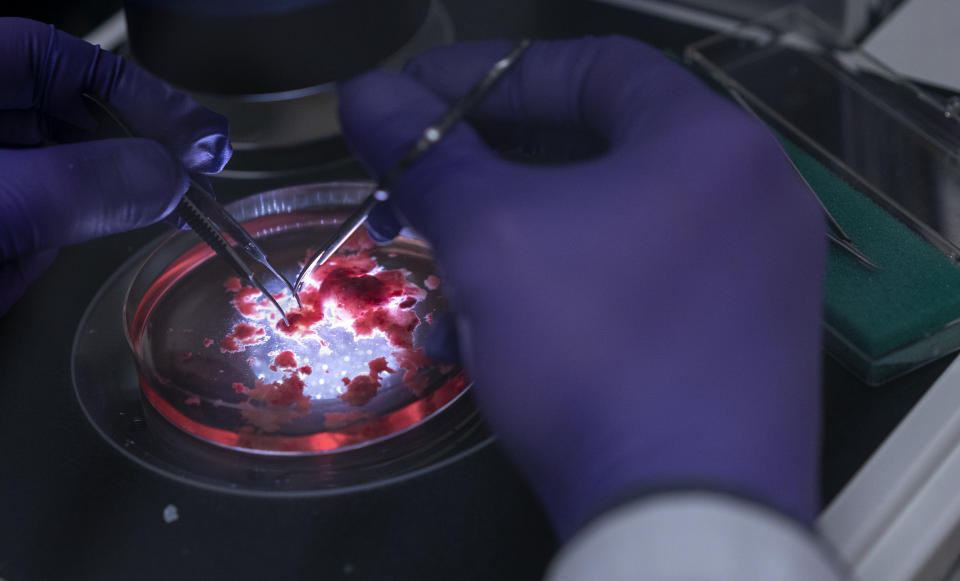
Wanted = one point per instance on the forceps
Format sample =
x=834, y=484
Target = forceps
x=201, y=211
x=835, y=234
x=431, y=136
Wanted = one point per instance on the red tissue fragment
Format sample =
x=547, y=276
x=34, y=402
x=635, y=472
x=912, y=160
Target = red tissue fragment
x=397, y=325
x=243, y=335
x=413, y=361
x=351, y=289
x=282, y=392
x=284, y=359
x=248, y=301
x=362, y=388
x=233, y=284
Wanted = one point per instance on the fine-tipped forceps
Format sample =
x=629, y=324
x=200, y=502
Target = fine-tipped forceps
x=835, y=234
x=430, y=137
x=210, y=220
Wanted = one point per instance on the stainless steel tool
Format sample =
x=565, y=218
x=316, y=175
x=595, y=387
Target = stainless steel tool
x=835, y=234
x=431, y=136
x=210, y=220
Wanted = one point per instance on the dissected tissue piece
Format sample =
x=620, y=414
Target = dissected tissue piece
x=351, y=291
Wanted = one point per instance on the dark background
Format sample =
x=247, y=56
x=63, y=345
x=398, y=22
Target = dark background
x=73, y=508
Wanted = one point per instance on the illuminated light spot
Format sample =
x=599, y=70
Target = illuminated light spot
x=171, y=514
x=351, y=299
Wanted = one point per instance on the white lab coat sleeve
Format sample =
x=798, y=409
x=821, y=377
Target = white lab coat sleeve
x=698, y=536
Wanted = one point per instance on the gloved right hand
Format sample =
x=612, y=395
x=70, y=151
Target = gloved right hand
x=647, y=319
x=54, y=195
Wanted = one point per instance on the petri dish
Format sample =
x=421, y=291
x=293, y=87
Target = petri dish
x=215, y=359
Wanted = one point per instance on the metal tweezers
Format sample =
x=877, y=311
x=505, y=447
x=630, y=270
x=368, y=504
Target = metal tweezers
x=210, y=220
x=430, y=137
x=835, y=234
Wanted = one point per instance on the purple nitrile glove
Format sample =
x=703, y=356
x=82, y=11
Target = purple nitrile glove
x=54, y=195
x=644, y=319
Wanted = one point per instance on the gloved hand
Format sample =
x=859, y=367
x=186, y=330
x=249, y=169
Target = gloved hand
x=54, y=195
x=645, y=319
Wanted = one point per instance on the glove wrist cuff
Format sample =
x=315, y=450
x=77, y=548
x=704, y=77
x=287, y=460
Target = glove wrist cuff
x=641, y=494
x=695, y=535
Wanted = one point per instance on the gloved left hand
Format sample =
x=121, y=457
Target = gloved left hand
x=53, y=195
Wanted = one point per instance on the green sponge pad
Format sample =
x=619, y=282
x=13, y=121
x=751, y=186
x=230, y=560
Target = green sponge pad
x=914, y=294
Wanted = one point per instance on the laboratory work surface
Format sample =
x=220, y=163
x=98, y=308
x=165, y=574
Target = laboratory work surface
x=74, y=507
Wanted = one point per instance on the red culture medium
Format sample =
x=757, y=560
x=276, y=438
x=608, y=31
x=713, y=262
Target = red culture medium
x=361, y=288
x=344, y=429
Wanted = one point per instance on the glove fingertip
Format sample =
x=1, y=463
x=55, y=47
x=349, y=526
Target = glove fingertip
x=209, y=154
x=157, y=178
x=382, y=224
x=441, y=343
